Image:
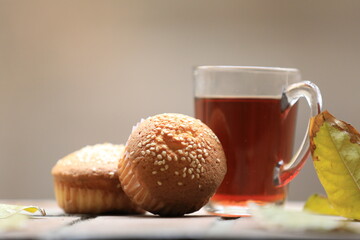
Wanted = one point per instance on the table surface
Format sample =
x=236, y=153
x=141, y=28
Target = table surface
x=199, y=225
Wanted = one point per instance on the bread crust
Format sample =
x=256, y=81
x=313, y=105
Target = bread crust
x=87, y=181
x=172, y=164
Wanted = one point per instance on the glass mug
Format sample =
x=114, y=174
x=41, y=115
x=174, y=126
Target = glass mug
x=253, y=111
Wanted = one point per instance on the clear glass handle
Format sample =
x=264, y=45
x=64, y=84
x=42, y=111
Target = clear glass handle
x=284, y=173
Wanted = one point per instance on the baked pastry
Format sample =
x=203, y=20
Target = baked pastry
x=172, y=164
x=86, y=181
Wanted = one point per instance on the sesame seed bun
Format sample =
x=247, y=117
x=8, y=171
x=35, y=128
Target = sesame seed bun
x=86, y=181
x=172, y=164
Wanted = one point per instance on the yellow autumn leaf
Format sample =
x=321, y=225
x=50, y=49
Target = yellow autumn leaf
x=320, y=205
x=336, y=156
x=7, y=210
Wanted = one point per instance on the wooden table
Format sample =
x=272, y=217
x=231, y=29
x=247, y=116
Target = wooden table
x=199, y=225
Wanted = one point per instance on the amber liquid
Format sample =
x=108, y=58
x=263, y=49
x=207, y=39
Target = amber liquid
x=255, y=135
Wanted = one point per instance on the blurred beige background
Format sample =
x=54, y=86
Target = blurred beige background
x=74, y=73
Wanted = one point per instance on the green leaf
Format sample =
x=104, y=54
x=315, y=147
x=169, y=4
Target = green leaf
x=336, y=156
x=320, y=205
x=7, y=210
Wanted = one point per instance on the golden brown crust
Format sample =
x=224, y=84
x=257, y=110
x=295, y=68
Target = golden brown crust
x=172, y=164
x=86, y=181
x=83, y=200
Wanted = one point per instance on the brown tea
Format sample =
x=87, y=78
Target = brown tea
x=255, y=135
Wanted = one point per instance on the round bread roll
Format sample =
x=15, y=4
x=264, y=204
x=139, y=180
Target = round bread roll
x=172, y=165
x=86, y=181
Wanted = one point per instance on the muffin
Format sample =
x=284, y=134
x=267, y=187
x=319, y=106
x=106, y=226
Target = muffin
x=172, y=164
x=86, y=181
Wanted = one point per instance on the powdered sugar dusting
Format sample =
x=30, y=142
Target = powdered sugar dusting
x=98, y=154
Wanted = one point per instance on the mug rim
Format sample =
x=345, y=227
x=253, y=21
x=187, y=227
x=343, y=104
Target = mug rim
x=246, y=68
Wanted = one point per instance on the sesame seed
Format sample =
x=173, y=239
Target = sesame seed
x=139, y=145
x=199, y=150
x=192, y=176
x=163, y=153
x=152, y=149
x=143, y=153
x=197, y=175
x=159, y=183
x=166, y=166
x=169, y=158
x=185, y=168
x=131, y=153
x=153, y=153
x=200, y=186
x=183, y=158
x=200, y=156
x=184, y=175
x=170, y=134
x=217, y=160
x=202, y=169
x=206, y=154
x=148, y=136
x=176, y=173
x=202, y=160
x=192, y=156
x=180, y=151
x=180, y=183
x=159, y=157
x=147, y=151
x=175, y=158
x=190, y=171
x=195, y=145
x=162, y=169
x=154, y=172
